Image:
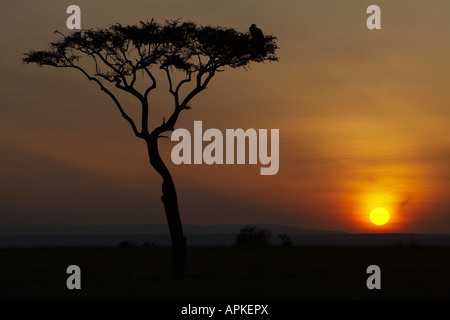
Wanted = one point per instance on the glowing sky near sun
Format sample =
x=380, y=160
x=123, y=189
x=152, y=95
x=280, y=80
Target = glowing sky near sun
x=364, y=121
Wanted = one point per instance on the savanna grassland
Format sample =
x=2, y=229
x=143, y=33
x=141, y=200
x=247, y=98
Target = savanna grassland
x=275, y=273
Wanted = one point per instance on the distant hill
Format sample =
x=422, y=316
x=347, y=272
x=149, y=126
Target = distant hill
x=111, y=235
x=148, y=229
x=219, y=235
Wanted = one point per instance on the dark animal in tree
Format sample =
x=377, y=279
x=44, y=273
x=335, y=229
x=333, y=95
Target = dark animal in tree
x=257, y=40
x=257, y=34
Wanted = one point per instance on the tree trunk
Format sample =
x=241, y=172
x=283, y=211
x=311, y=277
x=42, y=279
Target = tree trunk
x=169, y=198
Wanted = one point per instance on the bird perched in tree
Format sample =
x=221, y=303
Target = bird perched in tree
x=257, y=40
x=257, y=34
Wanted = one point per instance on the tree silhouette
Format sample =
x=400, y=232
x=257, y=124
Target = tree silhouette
x=124, y=58
x=252, y=236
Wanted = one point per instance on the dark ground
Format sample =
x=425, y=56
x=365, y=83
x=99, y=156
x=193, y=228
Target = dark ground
x=275, y=273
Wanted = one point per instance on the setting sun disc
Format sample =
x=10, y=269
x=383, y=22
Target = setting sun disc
x=379, y=216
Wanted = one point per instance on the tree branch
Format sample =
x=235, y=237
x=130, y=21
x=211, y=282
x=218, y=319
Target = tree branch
x=111, y=95
x=173, y=93
x=170, y=124
x=153, y=85
x=183, y=82
x=199, y=88
x=125, y=87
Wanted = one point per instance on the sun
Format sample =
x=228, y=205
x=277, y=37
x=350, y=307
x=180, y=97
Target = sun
x=379, y=216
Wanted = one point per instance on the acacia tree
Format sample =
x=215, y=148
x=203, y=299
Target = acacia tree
x=125, y=58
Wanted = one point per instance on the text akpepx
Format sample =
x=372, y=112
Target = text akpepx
x=246, y=309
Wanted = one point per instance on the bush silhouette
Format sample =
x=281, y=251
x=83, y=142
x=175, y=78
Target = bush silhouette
x=285, y=240
x=126, y=244
x=253, y=236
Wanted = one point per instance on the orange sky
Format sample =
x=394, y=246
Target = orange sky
x=364, y=120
